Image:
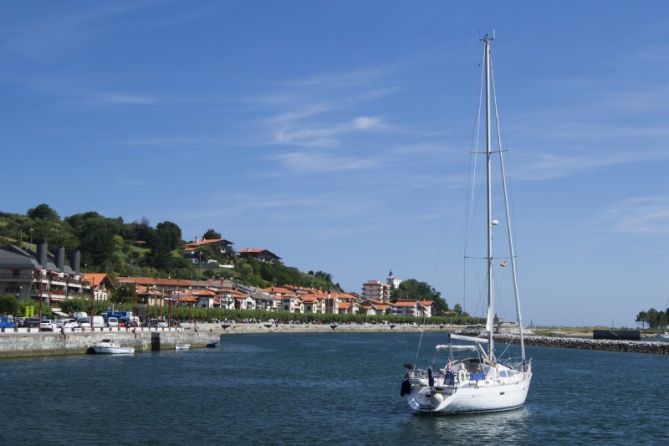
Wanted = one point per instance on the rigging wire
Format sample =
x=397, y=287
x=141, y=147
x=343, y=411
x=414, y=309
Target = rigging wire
x=472, y=180
x=508, y=220
x=420, y=341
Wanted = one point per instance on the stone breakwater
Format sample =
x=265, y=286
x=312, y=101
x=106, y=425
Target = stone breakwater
x=661, y=348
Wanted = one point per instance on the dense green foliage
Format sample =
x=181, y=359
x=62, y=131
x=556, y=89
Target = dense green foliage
x=654, y=319
x=211, y=234
x=263, y=274
x=216, y=314
x=413, y=289
x=138, y=249
x=73, y=305
x=9, y=305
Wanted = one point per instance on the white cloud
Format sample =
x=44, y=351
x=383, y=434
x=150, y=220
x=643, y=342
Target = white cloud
x=643, y=215
x=367, y=123
x=326, y=136
x=123, y=98
x=345, y=79
x=311, y=162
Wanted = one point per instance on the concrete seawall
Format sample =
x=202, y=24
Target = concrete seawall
x=46, y=343
x=23, y=343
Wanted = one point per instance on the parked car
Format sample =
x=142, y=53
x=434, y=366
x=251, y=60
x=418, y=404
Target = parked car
x=129, y=322
x=31, y=322
x=84, y=323
x=158, y=323
x=46, y=325
x=7, y=322
x=66, y=323
x=112, y=322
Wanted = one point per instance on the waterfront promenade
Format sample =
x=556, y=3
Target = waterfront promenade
x=24, y=342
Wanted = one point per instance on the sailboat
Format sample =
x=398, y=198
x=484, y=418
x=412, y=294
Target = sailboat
x=473, y=379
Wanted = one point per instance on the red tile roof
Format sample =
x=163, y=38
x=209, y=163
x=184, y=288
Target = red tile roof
x=152, y=281
x=95, y=279
x=279, y=290
x=257, y=251
x=188, y=299
x=190, y=246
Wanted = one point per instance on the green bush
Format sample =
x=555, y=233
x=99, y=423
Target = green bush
x=9, y=305
x=211, y=314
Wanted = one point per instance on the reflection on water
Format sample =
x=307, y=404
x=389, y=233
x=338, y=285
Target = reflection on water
x=509, y=426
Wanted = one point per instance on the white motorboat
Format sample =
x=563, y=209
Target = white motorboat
x=182, y=347
x=479, y=381
x=109, y=347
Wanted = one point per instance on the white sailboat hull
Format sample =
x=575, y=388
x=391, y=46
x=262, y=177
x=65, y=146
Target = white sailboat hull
x=471, y=397
x=106, y=350
x=107, y=347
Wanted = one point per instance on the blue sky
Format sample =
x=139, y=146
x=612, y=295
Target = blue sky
x=337, y=134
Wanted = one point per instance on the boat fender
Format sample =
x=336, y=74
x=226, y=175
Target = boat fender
x=406, y=387
x=437, y=399
x=430, y=377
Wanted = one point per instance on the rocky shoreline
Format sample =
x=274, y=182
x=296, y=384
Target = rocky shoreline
x=660, y=348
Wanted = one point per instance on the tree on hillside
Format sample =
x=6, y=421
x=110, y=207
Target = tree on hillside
x=96, y=238
x=321, y=274
x=413, y=289
x=211, y=234
x=43, y=212
x=167, y=238
x=141, y=230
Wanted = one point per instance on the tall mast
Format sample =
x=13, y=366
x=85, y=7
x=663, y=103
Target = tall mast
x=491, y=297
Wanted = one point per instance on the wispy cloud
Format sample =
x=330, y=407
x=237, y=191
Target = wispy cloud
x=83, y=93
x=33, y=35
x=642, y=215
x=327, y=136
x=343, y=79
x=549, y=166
x=315, y=162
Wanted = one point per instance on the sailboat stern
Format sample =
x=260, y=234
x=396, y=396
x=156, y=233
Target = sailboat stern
x=430, y=400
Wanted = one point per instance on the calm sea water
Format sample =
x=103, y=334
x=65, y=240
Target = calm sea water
x=336, y=388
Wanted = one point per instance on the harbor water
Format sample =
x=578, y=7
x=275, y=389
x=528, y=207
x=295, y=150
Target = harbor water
x=329, y=388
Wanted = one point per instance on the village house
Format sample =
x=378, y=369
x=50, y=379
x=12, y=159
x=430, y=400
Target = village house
x=375, y=308
x=405, y=308
x=226, y=299
x=417, y=308
x=245, y=302
x=206, y=298
x=260, y=254
x=150, y=295
x=348, y=308
x=312, y=303
x=165, y=286
x=193, y=250
x=100, y=284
